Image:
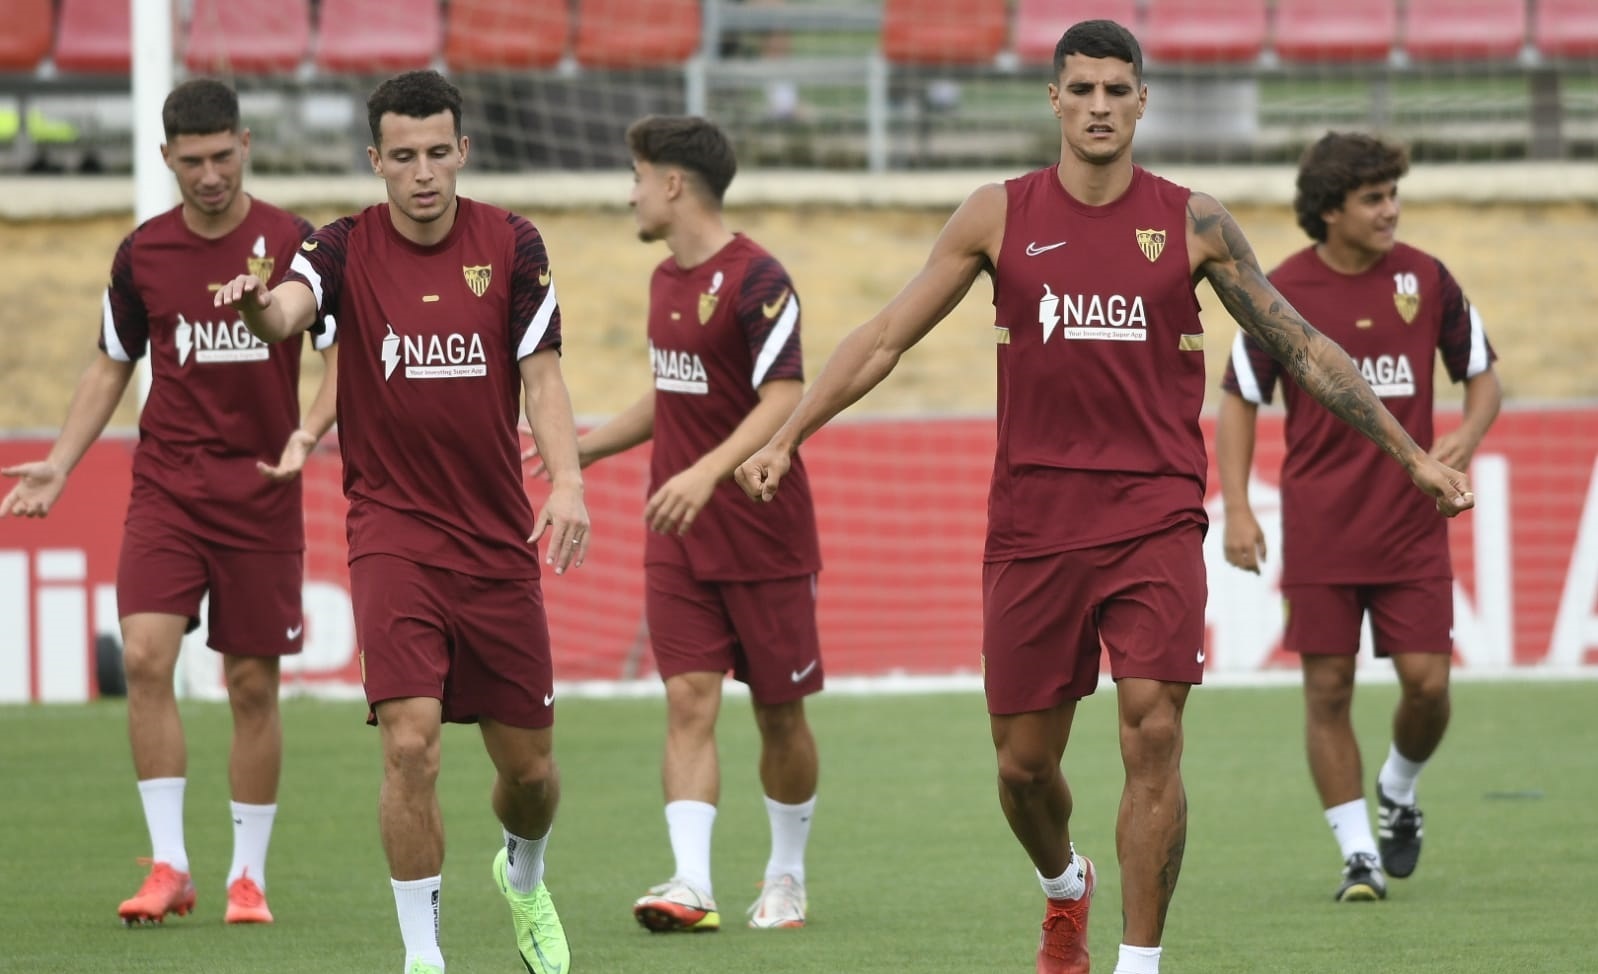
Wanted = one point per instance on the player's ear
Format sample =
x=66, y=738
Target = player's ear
x=375, y=160
x=466, y=148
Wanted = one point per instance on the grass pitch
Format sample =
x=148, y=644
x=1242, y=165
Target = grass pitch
x=911, y=865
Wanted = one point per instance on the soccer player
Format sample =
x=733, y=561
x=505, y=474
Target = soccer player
x=447, y=313
x=207, y=514
x=1096, y=510
x=1355, y=538
x=728, y=586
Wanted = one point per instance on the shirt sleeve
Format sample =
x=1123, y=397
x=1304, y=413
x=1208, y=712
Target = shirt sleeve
x=1462, y=339
x=768, y=313
x=534, y=310
x=124, y=320
x=319, y=265
x=1250, y=371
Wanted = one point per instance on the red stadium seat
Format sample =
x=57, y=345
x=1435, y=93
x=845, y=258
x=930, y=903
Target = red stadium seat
x=29, y=29
x=637, y=33
x=1449, y=30
x=496, y=35
x=1039, y=23
x=1567, y=28
x=95, y=37
x=248, y=36
x=362, y=37
x=1204, y=31
x=1336, y=30
x=944, y=31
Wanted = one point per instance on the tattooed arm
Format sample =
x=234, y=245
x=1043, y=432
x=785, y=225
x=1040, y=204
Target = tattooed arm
x=1222, y=255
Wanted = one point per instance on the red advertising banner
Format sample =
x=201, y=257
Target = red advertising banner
x=902, y=508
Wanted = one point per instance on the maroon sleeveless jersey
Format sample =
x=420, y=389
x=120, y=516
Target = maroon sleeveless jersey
x=1101, y=369
x=429, y=385
x=1349, y=513
x=220, y=399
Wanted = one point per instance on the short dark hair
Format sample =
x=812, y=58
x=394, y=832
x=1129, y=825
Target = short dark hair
x=696, y=144
x=414, y=94
x=200, y=107
x=1337, y=164
x=1099, y=38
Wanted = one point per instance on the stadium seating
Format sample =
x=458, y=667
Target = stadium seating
x=248, y=36
x=1451, y=30
x=637, y=33
x=29, y=30
x=1567, y=28
x=1314, y=31
x=488, y=35
x=1039, y=23
x=933, y=32
x=360, y=37
x=94, y=37
x=1204, y=31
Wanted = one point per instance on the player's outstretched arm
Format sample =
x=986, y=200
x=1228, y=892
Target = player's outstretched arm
x=313, y=425
x=270, y=315
x=549, y=416
x=40, y=482
x=965, y=247
x=1225, y=258
x=1234, y=457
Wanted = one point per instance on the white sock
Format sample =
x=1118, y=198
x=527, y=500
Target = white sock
x=1069, y=885
x=1138, y=960
x=689, y=825
x=163, y=816
x=524, y=860
x=1351, y=825
x=1398, y=775
x=252, y=833
x=790, y=831
x=416, y=902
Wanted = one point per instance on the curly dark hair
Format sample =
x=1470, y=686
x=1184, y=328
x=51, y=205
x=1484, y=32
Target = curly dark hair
x=1099, y=38
x=414, y=94
x=200, y=107
x=1337, y=164
x=696, y=144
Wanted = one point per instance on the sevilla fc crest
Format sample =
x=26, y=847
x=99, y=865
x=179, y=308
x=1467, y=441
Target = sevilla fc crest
x=478, y=278
x=1152, y=243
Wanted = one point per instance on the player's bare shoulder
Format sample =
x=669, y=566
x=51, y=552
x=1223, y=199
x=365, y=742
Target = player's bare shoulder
x=976, y=229
x=1212, y=234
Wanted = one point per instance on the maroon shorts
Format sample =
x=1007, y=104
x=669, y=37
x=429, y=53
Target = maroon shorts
x=764, y=632
x=1045, y=619
x=255, y=595
x=1406, y=617
x=480, y=646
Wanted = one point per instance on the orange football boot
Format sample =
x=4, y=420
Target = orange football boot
x=1063, y=948
x=245, y=902
x=164, y=891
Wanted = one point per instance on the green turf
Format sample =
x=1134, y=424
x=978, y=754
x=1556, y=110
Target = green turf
x=911, y=865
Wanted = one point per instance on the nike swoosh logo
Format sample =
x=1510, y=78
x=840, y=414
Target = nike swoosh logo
x=770, y=310
x=544, y=277
x=798, y=675
x=294, y=632
x=549, y=698
x=308, y=246
x=1032, y=249
x=1201, y=656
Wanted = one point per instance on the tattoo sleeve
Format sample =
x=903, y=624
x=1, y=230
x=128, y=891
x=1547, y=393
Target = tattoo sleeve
x=1317, y=363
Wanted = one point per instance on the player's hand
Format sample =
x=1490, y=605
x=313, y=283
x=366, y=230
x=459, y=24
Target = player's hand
x=678, y=501
x=299, y=446
x=1449, y=487
x=1455, y=449
x=761, y=474
x=566, y=518
x=39, y=484
x=1244, y=542
x=244, y=293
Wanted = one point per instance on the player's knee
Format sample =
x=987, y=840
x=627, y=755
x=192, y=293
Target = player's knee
x=148, y=663
x=1026, y=769
x=252, y=686
x=530, y=773
x=1153, y=740
x=411, y=755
